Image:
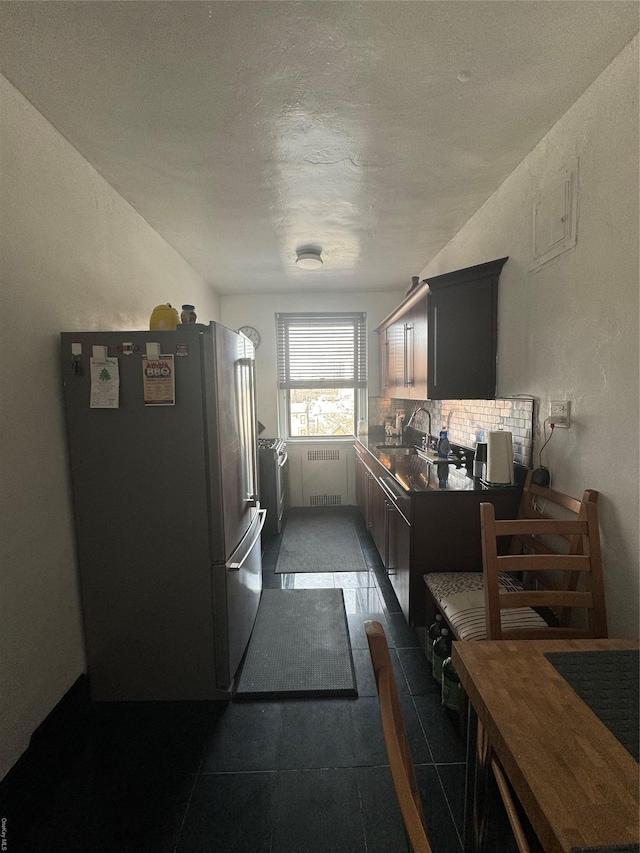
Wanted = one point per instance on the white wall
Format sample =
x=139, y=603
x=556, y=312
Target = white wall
x=570, y=329
x=75, y=256
x=260, y=312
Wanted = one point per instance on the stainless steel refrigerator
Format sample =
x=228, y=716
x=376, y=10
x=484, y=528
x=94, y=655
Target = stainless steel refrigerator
x=163, y=462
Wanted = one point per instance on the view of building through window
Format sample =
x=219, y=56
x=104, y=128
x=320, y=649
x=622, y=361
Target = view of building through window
x=321, y=411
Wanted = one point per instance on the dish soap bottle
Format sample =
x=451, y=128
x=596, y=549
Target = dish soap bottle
x=443, y=447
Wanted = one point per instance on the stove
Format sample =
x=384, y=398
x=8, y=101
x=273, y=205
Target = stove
x=276, y=444
x=274, y=482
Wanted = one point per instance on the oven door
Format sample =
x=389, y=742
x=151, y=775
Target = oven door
x=282, y=485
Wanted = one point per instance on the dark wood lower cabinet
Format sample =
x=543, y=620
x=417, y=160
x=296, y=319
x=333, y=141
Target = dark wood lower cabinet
x=398, y=555
x=377, y=515
x=385, y=521
x=420, y=532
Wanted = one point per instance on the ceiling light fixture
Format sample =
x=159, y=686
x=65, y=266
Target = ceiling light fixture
x=308, y=258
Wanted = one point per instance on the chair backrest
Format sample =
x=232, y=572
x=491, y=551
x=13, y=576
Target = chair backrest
x=532, y=550
x=534, y=501
x=397, y=743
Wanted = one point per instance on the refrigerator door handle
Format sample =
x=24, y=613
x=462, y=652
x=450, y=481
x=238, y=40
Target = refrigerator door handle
x=235, y=567
x=248, y=420
x=253, y=423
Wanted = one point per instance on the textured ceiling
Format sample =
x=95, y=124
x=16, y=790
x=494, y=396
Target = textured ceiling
x=243, y=130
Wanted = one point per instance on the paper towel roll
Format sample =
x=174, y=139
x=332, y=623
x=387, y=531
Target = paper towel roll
x=500, y=457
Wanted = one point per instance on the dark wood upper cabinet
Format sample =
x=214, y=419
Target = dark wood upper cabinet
x=441, y=341
x=463, y=339
x=384, y=355
x=415, y=349
x=403, y=351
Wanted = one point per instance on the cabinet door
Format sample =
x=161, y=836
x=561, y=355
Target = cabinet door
x=384, y=363
x=403, y=355
x=378, y=515
x=463, y=333
x=416, y=351
x=403, y=351
x=395, y=337
x=361, y=485
x=391, y=361
x=398, y=561
x=462, y=350
x=370, y=498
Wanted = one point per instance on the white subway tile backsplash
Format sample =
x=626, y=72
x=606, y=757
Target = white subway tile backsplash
x=467, y=421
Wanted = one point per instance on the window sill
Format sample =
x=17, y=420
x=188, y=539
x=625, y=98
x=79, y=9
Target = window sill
x=320, y=439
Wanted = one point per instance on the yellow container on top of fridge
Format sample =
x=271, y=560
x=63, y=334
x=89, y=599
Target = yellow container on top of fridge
x=164, y=318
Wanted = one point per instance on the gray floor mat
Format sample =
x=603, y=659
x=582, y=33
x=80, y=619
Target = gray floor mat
x=299, y=647
x=326, y=542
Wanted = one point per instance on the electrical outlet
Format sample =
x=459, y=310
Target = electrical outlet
x=560, y=413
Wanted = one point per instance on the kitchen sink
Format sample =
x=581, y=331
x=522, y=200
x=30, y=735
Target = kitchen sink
x=432, y=456
x=399, y=449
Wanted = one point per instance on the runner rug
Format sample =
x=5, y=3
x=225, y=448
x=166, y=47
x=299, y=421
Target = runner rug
x=299, y=647
x=316, y=541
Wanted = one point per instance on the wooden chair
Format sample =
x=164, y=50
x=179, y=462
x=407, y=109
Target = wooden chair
x=557, y=573
x=463, y=598
x=395, y=735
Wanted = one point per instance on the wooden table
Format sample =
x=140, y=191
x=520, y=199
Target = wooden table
x=578, y=785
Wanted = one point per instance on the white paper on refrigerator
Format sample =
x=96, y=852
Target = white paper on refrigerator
x=159, y=381
x=105, y=383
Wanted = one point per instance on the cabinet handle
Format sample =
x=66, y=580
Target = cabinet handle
x=404, y=357
x=370, y=480
x=408, y=354
x=385, y=372
x=388, y=509
x=435, y=346
x=386, y=537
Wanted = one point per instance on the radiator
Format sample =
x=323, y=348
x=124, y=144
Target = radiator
x=324, y=476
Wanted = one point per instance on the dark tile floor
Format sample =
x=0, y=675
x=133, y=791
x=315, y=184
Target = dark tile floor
x=297, y=776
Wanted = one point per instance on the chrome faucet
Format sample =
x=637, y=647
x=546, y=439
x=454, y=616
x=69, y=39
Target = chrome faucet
x=428, y=414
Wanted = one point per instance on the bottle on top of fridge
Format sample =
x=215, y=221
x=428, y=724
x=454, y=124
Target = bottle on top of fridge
x=188, y=314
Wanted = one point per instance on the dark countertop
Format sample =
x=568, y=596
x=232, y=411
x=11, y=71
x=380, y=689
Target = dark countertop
x=414, y=473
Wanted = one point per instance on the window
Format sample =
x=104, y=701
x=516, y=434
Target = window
x=322, y=372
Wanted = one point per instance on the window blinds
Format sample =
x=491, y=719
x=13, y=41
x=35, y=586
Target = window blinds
x=322, y=350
